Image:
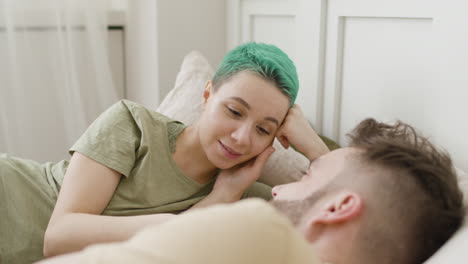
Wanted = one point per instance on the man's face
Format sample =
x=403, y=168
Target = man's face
x=321, y=172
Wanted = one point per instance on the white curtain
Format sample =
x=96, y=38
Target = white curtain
x=55, y=77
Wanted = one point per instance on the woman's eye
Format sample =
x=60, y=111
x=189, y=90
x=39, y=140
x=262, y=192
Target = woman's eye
x=234, y=112
x=263, y=131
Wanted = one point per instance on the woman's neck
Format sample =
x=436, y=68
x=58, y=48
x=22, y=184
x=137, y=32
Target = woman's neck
x=191, y=158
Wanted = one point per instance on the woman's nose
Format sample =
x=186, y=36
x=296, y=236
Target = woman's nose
x=242, y=135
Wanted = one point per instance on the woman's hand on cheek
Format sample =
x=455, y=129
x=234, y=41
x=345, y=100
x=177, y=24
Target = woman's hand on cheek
x=232, y=183
x=296, y=131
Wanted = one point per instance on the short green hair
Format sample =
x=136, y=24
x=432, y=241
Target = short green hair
x=268, y=61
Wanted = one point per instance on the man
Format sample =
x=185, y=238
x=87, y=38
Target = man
x=391, y=197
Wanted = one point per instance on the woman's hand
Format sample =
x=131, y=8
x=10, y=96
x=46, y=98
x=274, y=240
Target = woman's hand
x=236, y=180
x=297, y=132
x=231, y=183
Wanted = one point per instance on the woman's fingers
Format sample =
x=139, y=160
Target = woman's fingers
x=281, y=136
x=263, y=157
x=283, y=141
x=256, y=169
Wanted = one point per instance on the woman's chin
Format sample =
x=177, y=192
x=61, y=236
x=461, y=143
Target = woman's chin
x=223, y=164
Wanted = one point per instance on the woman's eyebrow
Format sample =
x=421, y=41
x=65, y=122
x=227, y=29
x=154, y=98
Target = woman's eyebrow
x=272, y=119
x=244, y=103
x=241, y=101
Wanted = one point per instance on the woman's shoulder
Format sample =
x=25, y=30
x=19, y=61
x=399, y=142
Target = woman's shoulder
x=139, y=111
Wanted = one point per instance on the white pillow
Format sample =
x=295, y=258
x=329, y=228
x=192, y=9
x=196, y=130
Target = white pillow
x=463, y=181
x=183, y=103
x=454, y=251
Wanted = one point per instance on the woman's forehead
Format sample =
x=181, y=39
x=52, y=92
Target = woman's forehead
x=252, y=88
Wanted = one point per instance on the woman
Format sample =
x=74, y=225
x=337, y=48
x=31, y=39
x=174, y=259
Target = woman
x=134, y=167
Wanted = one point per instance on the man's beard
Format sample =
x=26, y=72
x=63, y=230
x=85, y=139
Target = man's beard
x=295, y=210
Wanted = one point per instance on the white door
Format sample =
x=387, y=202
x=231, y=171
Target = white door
x=398, y=59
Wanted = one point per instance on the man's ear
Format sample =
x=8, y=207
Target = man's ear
x=334, y=212
x=207, y=91
x=339, y=208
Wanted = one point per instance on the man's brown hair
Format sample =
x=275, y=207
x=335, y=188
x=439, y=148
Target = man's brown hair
x=435, y=208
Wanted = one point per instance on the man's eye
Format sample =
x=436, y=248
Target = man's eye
x=263, y=131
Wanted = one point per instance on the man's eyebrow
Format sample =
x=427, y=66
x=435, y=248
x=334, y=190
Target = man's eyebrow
x=244, y=103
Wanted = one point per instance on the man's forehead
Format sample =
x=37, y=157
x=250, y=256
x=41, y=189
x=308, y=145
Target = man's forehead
x=315, y=162
x=336, y=159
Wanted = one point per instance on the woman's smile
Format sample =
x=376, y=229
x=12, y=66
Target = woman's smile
x=229, y=152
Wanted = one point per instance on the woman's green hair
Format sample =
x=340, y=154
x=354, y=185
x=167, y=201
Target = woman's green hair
x=266, y=60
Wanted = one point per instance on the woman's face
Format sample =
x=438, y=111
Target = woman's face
x=240, y=119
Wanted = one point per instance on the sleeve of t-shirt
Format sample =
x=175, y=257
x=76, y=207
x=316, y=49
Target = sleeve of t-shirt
x=258, y=190
x=112, y=139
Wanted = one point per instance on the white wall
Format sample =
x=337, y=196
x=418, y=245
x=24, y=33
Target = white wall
x=450, y=113
x=185, y=25
x=142, y=75
x=159, y=35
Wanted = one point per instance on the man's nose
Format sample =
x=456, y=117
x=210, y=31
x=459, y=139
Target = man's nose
x=274, y=191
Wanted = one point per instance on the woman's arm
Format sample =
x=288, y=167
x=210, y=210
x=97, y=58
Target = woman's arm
x=297, y=132
x=76, y=222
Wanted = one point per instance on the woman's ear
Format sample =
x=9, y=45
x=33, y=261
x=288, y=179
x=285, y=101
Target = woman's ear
x=207, y=91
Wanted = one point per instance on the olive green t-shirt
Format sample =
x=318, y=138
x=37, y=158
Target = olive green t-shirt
x=128, y=138
x=138, y=143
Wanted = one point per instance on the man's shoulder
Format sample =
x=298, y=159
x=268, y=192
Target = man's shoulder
x=252, y=206
x=251, y=217
x=247, y=212
x=252, y=222
x=250, y=232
